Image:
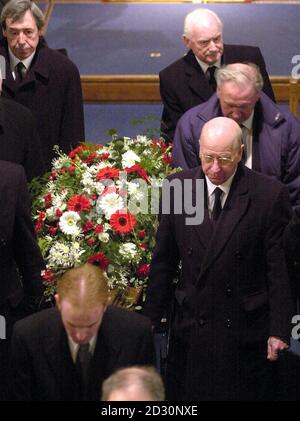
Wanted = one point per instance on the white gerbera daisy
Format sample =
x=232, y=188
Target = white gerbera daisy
x=68, y=223
x=109, y=203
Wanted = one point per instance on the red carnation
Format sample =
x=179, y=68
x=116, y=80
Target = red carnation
x=88, y=226
x=142, y=234
x=122, y=222
x=79, y=203
x=99, y=229
x=48, y=200
x=143, y=271
x=48, y=276
x=107, y=173
x=139, y=170
x=52, y=230
x=100, y=259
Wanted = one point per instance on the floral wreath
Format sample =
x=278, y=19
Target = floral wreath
x=99, y=205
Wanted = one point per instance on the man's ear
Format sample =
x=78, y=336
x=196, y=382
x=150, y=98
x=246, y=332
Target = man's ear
x=57, y=301
x=240, y=153
x=187, y=41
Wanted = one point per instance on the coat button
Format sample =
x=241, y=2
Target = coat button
x=189, y=251
x=202, y=322
x=228, y=323
x=228, y=291
x=238, y=255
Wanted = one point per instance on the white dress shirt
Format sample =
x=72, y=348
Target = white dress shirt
x=225, y=187
x=15, y=60
x=247, y=129
x=74, y=347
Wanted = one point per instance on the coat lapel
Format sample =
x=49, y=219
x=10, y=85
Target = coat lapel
x=234, y=209
x=60, y=361
x=203, y=230
x=197, y=80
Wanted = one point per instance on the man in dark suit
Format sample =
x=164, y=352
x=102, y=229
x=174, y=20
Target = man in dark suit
x=271, y=137
x=291, y=241
x=42, y=79
x=65, y=353
x=19, y=139
x=190, y=80
x=20, y=258
x=232, y=307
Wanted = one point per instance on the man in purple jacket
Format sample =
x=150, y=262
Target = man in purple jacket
x=271, y=137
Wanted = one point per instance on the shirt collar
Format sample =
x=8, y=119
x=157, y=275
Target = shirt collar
x=15, y=60
x=205, y=66
x=74, y=346
x=249, y=122
x=225, y=187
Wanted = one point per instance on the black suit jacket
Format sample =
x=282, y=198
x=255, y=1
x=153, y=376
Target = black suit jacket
x=52, y=91
x=233, y=290
x=291, y=241
x=42, y=366
x=19, y=252
x=19, y=139
x=183, y=84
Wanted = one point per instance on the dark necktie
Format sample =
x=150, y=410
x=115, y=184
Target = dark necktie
x=210, y=72
x=245, y=133
x=20, y=71
x=217, y=205
x=83, y=360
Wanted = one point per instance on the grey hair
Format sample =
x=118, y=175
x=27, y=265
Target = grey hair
x=15, y=9
x=144, y=378
x=242, y=75
x=196, y=17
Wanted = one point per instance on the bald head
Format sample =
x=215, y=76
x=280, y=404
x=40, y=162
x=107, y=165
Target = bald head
x=134, y=384
x=220, y=149
x=221, y=133
x=203, y=34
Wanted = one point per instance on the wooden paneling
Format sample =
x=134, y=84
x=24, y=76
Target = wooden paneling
x=145, y=89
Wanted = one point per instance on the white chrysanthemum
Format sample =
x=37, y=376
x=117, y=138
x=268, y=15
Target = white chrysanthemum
x=109, y=203
x=59, y=200
x=68, y=223
x=128, y=250
x=104, y=237
x=51, y=213
x=142, y=139
x=129, y=159
x=135, y=190
x=61, y=162
x=64, y=255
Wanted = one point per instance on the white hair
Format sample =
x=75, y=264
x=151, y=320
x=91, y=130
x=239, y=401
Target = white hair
x=240, y=73
x=197, y=17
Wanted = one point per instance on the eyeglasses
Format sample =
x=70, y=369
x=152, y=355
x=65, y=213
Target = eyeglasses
x=222, y=160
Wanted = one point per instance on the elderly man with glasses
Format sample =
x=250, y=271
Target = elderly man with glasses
x=232, y=304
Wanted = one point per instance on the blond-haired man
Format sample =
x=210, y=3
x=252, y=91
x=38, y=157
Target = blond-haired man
x=64, y=353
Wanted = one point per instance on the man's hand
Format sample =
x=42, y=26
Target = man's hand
x=275, y=345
